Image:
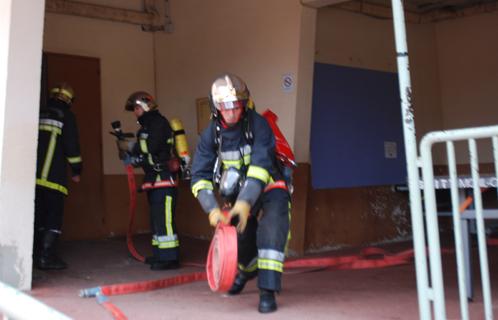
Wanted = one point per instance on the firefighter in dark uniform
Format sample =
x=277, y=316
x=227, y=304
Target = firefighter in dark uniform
x=239, y=147
x=58, y=144
x=154, y=152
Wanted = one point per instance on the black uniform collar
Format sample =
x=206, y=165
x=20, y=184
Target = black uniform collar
x=146, y=117
x=55, y=103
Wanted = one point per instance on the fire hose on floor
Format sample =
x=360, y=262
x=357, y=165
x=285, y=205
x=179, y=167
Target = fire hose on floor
x=221, y=266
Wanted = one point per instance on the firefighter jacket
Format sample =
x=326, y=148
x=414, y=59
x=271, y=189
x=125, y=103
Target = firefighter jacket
x=155, y=148
x=248, y=146
x=58, y=144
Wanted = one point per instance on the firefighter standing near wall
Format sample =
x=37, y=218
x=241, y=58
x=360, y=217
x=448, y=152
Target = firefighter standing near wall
x=239, y=147
x=58, y=144
x=154, y=152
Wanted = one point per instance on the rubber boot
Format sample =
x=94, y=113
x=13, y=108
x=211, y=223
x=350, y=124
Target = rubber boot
x=267, y=302
x=48, y=259
x=238, y=284
x=164, y=265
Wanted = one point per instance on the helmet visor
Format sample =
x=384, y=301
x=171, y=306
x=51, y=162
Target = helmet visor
x=231, y=105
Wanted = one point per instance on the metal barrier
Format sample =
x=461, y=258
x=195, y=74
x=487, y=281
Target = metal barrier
x=436, y=292
x=16, y=305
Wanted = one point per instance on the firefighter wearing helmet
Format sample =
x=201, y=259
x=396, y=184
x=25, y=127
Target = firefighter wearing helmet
x=239, y=147
x=154, y=152
x=58, y=146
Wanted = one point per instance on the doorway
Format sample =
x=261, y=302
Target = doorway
x=84, y=206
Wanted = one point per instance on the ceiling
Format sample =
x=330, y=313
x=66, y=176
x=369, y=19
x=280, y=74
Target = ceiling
x=426, y=6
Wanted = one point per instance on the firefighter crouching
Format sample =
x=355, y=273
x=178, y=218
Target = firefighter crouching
x=58, y=144
x=154, y=152
x=239, y=147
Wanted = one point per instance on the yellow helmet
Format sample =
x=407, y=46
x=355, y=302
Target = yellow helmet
x=63, y=92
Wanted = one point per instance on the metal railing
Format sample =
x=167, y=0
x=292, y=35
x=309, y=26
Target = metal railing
x=19, y=306
x=436, y=292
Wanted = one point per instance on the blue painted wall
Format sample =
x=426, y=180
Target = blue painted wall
x=355, y=111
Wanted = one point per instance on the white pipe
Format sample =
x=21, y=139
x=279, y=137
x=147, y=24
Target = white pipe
x=410, y=141
x=433, y=232
x=20, y=306
x=481, y=232
x=457, y=230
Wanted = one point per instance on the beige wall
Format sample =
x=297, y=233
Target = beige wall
x=355, y=40
x=257, y=40
x=468, y=67
x=126, y=64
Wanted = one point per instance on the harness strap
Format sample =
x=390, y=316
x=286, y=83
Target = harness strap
x=279, y=184
x=160, y=184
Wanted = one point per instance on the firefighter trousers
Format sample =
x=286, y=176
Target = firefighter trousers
x=261, y=247
x=165, y=242
x=49, y=210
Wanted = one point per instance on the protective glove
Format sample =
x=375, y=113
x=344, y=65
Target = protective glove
x=242, y=209
x=216, y=216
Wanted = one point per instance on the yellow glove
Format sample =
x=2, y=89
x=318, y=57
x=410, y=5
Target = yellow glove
x=242, y=209
x=215, y=216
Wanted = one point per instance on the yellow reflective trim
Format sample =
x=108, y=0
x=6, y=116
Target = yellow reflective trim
x=258, y=173
x=49, y=156
x=169, y=244
x=167, y=215
x=143, y=146
x=155, y=242
x=49, y=128
x=289, y=237
x=247, y=159
x=52, y=185
x=151, y=162
x=267, y=264
x=250, y=268
x=74, y=159
x=201, y=185
x=171, y=140
x=232, y=163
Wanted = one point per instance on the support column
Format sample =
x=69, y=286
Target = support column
x=21, y=38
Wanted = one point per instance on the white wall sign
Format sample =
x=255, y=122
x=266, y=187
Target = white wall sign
x=288, y=82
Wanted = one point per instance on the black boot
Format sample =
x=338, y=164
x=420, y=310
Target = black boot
x=48, y=259
x=267, y=302
x=164, y=265
x=238, y=284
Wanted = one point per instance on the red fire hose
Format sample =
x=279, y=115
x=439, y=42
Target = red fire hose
x=132, y=187
x=221, y=266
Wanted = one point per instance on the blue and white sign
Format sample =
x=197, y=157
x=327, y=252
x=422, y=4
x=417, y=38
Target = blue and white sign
x=288, y=82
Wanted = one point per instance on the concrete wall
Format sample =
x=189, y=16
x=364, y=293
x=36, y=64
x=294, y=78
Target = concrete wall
x=468, y=68
x=20, y=63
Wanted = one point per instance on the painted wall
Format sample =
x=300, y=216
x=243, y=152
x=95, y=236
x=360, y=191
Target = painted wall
x=127, y=65
x=20, y=71
x=468, y=66
x=355, y=40
x=257, y=40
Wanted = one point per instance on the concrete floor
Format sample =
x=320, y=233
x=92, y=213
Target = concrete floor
x=388, y=293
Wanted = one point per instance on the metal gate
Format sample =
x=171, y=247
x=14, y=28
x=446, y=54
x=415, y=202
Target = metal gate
x=435, y=293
